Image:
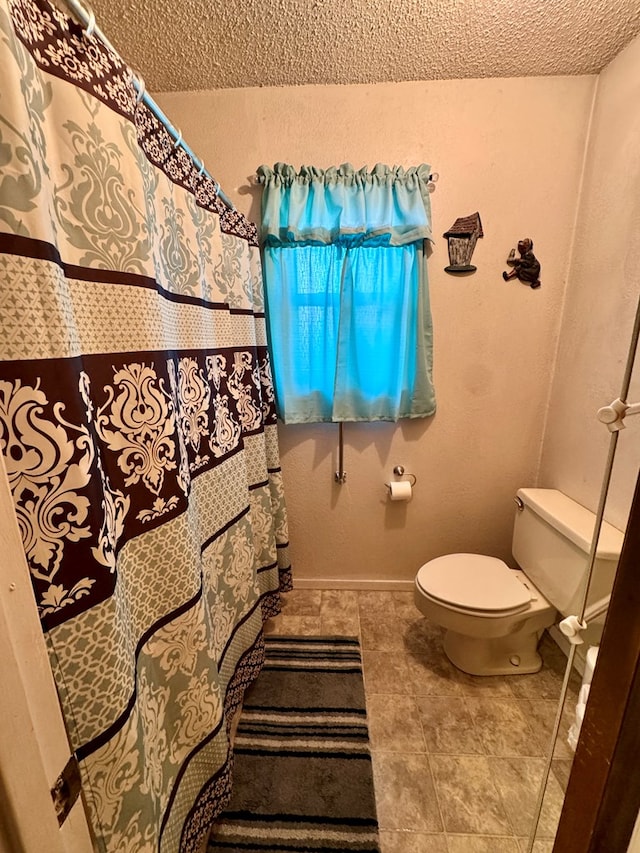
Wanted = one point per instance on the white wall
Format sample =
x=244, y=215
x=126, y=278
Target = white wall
x=511, y=149
x=602, y=294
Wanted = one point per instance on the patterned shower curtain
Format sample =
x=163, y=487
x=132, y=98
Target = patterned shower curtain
x=138, y=430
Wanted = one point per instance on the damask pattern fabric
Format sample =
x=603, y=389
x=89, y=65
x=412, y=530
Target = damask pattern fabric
x=138, y=430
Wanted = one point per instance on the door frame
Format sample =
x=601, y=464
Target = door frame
x=33, y=741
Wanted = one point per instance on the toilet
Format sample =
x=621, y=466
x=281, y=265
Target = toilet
x=494, y=615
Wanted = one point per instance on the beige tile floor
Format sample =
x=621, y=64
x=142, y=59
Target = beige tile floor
x=457, y=759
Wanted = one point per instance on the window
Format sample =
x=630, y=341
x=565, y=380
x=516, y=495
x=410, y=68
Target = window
x=346, y=292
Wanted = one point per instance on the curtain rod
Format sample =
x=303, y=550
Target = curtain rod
x=88, y=19
x=253, y=181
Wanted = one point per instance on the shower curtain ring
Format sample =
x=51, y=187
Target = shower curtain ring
x=201, y=172
x=179, y=139
x=141, y=87
x=91, y=23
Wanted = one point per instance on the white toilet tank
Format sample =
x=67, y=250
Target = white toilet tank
x=551, y=544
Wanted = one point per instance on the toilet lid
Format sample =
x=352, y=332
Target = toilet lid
x=474, y=582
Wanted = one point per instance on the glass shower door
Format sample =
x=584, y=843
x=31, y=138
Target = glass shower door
x=623, y=451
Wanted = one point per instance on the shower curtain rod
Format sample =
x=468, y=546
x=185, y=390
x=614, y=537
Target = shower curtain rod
x=87, y=17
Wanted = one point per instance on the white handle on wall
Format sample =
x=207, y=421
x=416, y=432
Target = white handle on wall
x=572, y=627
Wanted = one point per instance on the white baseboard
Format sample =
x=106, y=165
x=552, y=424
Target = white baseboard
x=342, y=583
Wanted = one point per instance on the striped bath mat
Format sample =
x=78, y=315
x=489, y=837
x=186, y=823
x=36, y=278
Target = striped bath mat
x=302, y=777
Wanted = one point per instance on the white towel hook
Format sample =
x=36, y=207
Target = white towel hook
x=572, y=628
x=614, y=414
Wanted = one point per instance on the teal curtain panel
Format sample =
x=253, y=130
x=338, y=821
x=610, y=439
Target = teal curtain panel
x=345, y=271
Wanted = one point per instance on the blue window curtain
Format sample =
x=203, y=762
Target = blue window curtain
x=347, y=294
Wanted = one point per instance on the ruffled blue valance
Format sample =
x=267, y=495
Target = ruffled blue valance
x=384, y=206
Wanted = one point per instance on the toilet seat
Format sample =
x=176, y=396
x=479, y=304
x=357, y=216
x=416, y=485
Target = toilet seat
x=474, y=583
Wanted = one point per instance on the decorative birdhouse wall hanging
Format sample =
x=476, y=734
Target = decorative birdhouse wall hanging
x=463, y=236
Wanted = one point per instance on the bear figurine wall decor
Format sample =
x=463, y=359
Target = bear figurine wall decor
x=526, y=268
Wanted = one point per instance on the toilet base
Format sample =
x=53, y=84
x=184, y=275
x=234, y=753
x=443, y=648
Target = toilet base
x=515, y=654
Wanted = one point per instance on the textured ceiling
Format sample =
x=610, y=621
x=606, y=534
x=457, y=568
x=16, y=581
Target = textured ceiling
x=211, y=44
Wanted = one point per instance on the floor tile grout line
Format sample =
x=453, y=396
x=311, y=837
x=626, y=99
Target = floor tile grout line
x=435, y=790
x=502, y=802
x=473, y=723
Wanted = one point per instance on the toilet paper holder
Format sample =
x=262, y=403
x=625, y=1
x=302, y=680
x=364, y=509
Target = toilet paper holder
x=400, y=472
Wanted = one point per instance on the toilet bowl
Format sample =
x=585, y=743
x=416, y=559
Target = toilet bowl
x=493, y=616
